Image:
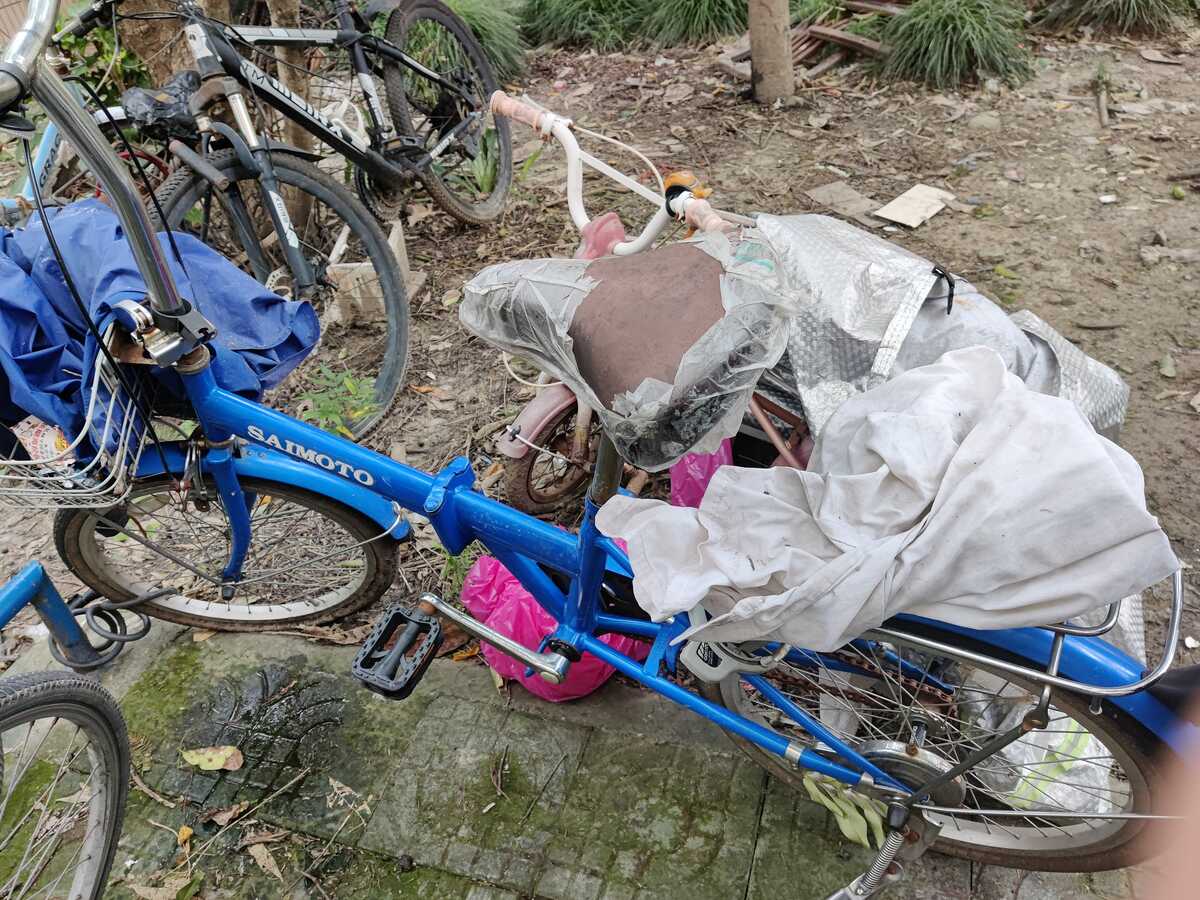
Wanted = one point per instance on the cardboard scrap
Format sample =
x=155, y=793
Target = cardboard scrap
x=846, y=201
x=916, y=206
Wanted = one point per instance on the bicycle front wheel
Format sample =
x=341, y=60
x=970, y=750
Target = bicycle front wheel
x=351, y=379
x=916, y=716
x=64, y=784
x=311, y=559
x=471, y=175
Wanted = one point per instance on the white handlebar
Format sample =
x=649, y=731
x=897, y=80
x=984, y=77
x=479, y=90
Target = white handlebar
x=696, y=211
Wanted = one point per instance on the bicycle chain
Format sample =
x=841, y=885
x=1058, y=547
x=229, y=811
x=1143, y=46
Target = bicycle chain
x=915, y=686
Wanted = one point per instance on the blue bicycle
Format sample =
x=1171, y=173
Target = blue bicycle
x=1036, y=748
x=65, y=772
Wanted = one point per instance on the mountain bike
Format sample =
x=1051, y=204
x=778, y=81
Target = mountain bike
x=930, y=752
x=296, y=230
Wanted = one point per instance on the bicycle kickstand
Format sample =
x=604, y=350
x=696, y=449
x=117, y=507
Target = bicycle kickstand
x=908, y=838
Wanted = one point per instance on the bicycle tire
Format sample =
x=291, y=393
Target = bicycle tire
x=400, y=22
x=184, y=189
x=90, y=556
x=521, y=476
x=81, y=701
x=1132, y=841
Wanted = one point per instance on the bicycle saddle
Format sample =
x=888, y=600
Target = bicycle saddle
x=669, y=343
x=164, y=110
x=645, y=312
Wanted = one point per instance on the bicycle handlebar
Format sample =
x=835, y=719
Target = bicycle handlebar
x=80, y=25
x=24, y=71
x=694, y=210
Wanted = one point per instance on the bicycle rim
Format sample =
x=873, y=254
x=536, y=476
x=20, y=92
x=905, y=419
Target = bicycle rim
x=1013, y=808
x=59, y=802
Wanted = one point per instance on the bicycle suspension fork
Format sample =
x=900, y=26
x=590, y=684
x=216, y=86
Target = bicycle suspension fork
x=251, y=147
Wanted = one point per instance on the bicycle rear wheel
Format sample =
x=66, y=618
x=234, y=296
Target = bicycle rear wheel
x=64, y=784
x=1014, y=807
x=471, y=176
x=348, y=383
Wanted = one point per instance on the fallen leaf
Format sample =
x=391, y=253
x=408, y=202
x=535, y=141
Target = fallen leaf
x=678, y=92
x=473, y=650
x=1166, y=366
x=343, y=637
x=1005, y=272
x=451, y=297
x=226, y=815
x=1157, y=56
x=265, y=860
x=80, y=796
x=418, y=212
x=817, y=121
x=263, y=837
x=201, y=635
x=210, y=759
x=183, y=835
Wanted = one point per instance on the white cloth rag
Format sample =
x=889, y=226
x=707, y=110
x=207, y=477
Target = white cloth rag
x=952, y=492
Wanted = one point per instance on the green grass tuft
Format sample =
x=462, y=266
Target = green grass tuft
x=1121, y=16
x=673, y=22
x=946, y=42
x=603, y=25
x=811, y=12
x=499, y=33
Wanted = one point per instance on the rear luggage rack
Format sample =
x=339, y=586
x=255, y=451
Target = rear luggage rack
x=1060, y=632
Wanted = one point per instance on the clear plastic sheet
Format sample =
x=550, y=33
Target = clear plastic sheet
x=527, y=309
x=816, y=311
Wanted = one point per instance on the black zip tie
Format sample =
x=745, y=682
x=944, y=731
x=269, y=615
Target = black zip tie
x=949, y=279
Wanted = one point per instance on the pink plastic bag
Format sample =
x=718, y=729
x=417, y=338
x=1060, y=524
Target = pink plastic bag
x=691, y=475
x=497, y=599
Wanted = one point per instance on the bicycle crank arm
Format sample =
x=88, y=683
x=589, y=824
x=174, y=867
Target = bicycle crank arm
x=551, y=666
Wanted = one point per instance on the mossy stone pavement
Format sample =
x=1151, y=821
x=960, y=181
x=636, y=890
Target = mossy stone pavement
x=616, y=796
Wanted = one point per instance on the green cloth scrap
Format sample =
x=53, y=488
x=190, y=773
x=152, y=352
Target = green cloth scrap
x=858, y=816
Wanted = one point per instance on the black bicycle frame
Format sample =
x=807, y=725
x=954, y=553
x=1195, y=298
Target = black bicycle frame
x=213, y=47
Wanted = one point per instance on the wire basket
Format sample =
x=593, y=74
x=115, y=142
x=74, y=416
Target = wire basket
x=95, y=470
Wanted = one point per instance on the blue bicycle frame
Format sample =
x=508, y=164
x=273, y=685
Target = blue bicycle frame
x=279, y=448
x=31, y=586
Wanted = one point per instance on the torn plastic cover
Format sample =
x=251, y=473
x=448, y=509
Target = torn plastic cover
x=816, y=311
x=528, y=308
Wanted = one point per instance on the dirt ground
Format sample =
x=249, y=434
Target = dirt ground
x=1054, y=210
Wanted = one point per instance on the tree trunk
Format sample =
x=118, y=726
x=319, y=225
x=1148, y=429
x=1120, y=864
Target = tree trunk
x=286, y=14
x=770, y=50
x=159, y=43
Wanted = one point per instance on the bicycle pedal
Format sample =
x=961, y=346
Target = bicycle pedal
x=397, y=654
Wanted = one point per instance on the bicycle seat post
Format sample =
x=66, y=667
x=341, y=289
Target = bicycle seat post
x=606, y=477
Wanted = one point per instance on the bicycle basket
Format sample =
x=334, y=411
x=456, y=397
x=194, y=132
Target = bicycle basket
x=92, y=470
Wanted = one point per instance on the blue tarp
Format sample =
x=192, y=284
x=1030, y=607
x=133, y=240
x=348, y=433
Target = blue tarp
x=44, y=344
